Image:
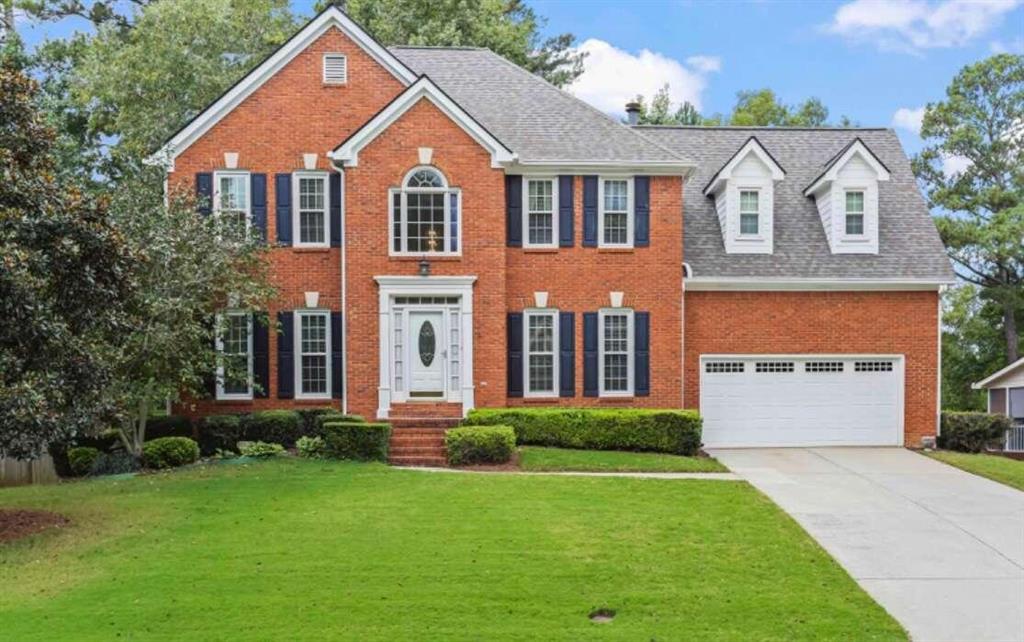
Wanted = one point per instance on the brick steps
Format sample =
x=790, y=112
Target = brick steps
x=425, y=410
x=432, y=423
x=415, y=444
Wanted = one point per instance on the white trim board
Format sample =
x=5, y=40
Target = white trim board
x=747, y=284
x=856, y=148
x=752, y=146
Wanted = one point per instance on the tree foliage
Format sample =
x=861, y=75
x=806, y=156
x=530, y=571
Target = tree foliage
x=972, y=346
x=660, y=111
x=758, y=108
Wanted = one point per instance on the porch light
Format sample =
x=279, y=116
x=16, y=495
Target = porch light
x=424, y=267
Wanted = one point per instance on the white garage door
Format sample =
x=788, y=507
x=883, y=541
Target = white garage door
x=802, y=401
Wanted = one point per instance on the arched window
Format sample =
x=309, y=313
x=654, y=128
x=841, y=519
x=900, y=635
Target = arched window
x=424, y=214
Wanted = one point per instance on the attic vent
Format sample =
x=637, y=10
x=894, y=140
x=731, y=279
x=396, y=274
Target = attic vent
x=335, y=69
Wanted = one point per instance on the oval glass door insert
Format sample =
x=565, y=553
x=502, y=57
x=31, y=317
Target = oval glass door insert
x=427, y=343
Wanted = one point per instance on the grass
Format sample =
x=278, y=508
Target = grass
x=302, y=550
x=1001, y=469
x=536, y=458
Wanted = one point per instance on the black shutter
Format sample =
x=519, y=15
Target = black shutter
x=335, y=189
x=589, y=211
x=590, y=387
x=260, y=357
x=337, y=348
x=204, y=193
x=258, y=187
x=565, y=211
x=642, y=354
x=283, y=210
x=286, y=356
x=566, y=354
x=514, y=211
x=641, y=211
x=515, y=354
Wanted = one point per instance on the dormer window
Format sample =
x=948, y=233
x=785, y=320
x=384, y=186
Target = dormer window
x=855, y=212
x=749, y=212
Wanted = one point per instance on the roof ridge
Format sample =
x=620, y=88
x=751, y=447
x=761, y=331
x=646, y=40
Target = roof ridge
x=766, y=128
x=441, y=47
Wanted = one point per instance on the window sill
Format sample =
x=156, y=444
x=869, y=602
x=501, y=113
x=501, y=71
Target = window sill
x=619, y=399
x=427, y=257
x=541, y=401
x=317, y=401
x=311, y=250
x=616, y=250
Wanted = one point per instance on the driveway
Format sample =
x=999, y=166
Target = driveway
x=942, y=550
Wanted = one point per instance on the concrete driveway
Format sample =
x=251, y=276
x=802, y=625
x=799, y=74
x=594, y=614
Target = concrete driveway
x=942, y=550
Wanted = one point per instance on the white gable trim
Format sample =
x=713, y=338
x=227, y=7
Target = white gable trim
x=984, y=383
x=330, y=18
x=423, y=89
x=752, y=146
x=775, y=284
x=858, y=148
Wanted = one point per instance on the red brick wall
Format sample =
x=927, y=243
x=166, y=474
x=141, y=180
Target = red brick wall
x=822, y=322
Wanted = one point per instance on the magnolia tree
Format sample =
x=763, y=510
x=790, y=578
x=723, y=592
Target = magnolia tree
x=188, y=267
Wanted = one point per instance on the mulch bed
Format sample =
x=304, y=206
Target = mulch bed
x=17, y=523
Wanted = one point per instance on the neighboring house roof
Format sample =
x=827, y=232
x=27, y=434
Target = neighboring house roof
x=539, y=122
x=996, y=376
x=909, y=244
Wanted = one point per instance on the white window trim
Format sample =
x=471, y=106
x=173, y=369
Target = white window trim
x=296, y=208
x=630, y=212
x=248, y=193
x=630, y=352
x=555, y=348
x=447, y=190
x=219, y=325
x=863, y=237
x=324, y=68
x=299, y=314
x=739, y=208
x=554, y=212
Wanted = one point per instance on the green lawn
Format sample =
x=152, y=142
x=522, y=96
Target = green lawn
x=299, y=550
x=1000, y=469
x=538, y=458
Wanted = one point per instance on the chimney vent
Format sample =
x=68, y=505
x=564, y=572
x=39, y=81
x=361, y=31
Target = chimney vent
x=633, y=112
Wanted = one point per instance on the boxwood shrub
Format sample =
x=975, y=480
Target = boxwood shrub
x=667, y=431
x=273, y=426
x=480, y=445
x=309, y=416
x=115, y=463
x=334, y=418
x=260, y=449
x=219, y=432
x=169, y=452
x=81, y=459
x=971, y=432
x=360, y=441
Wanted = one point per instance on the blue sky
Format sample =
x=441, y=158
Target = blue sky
x=877, y=61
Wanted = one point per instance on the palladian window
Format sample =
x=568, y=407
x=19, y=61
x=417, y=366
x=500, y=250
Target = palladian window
x=424, y=214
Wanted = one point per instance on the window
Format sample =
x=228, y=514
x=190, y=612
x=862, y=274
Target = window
x=724, y=367
x=541, y=196
x=872, y=366
x=773, y=366
x=234, y=345
x=313, y=373
x=616, y=217
x=311, y=219
x=749, y=209
x=541, y=343
x=616, y=352
x=424, y=215
x=335, y=69
x=231, y=202
x=855, y=213
x=823, y=366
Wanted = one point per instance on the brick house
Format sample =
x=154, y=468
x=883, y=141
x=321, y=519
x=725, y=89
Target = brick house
x=450, y=231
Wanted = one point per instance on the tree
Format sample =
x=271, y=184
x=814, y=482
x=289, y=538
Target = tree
x=660, y=112
x=507, y=27
x=762, y=108
x=972, y=347
x=981, y=121
x=98, y=12
x=63, y=268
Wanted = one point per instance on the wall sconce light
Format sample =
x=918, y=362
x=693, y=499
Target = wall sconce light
x=424, y=267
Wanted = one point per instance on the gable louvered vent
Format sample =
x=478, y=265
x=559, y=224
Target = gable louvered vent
x=335, y=69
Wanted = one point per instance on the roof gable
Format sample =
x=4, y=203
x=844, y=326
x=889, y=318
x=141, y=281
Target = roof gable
x=752, y=146
x=999, y=374
x=856, y=148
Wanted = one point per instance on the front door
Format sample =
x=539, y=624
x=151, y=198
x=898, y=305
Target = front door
x=426, y=354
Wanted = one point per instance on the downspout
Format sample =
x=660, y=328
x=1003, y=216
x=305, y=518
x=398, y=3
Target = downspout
x=344, y=293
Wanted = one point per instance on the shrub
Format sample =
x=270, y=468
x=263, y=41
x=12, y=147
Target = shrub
x=361, y=441
x=170, y=426
x=273, y=426
x=971, y=432
x=81, y=459
x=115, y=463
x=668, y=431
x=168, y=452
x=480, y=445
x=219, y=432
x=260, y=449
x=308, y=417
x=105, y=440
x=310, y=447
x=334, y=418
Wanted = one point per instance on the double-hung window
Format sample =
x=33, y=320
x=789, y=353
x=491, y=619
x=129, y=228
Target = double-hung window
x=231, y=200
x=539, y=211
x=750, y=212
x=424, y=215
x=313, y=334
x=855, y=212
x=311, y=221
x=615, y=221
x=541, y=341
x=234, y=346
x=615, y=365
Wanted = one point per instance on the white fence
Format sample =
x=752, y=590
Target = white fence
x=1015, y=439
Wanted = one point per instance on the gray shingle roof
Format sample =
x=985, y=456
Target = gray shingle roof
x=909, y=245
x=538, y=121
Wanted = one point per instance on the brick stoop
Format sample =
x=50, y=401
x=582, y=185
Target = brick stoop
x=417, y=446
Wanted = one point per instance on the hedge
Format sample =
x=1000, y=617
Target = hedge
x=971, y=432
x=220, y=432
x=360, y=441
x=273, y=427
x=81, y=459
x=333, y=418
x=169, y=452
x=309, y=417
x=479, y=445
x=667, y=431
x=170, y=426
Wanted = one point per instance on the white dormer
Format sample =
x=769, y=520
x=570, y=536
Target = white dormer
x=744, y=193
x=846, y=194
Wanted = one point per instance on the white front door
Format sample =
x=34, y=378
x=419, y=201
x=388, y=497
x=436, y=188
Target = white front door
x=427, y=354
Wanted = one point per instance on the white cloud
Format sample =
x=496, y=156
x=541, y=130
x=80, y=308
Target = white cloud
x=1015, y=46
x=908, y=119
x=954, y=165
x=912, y=25
x=612, y=77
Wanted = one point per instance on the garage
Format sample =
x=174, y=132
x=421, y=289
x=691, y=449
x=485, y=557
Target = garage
x=807, y=400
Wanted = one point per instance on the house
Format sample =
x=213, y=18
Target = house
x=450, y=232
x=1005, y=390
